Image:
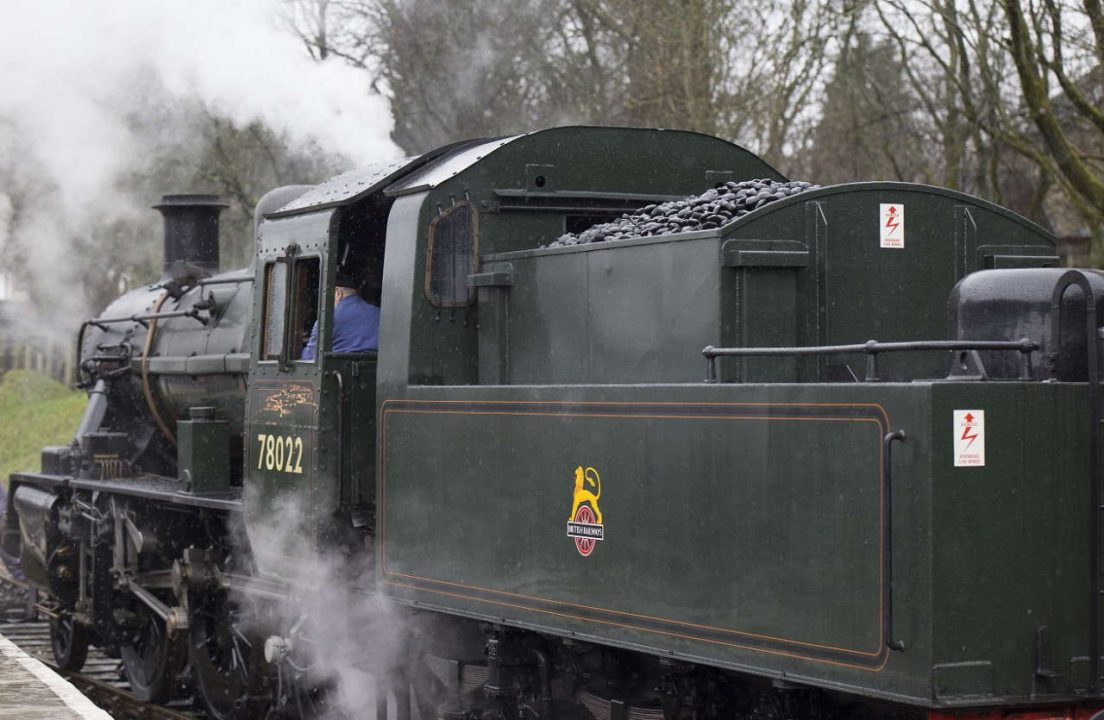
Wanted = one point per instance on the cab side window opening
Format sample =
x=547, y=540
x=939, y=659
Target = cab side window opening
x=361, y=231
x=290, y=306
x=275, y=292
x=453, y=255
x=304, y=312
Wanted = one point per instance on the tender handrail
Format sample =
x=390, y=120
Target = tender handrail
x=872, y=348
x=891, y=640
x=1096, y=411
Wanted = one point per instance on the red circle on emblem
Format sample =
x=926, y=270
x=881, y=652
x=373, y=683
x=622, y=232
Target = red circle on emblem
x=585, y=546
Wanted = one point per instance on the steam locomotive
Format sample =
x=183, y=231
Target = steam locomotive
x=586, y=514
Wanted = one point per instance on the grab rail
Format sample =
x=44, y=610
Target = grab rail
x=887, y=539
x=873, y=348
x=1096, y=417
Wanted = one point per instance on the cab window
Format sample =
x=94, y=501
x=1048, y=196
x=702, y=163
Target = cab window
x=288, y=324
x=275, y=294
x=452, y=257
x=304, y=309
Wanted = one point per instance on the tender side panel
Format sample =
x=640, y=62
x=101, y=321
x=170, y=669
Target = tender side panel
x=1011, y=590
x=611, y=315
x=715, y=520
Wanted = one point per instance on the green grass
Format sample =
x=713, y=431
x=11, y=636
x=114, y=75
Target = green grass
x=35, y=410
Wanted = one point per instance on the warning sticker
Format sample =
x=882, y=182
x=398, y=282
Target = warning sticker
x=892, y=225
x=969, y=438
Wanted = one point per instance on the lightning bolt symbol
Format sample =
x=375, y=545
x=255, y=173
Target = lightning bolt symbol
x=891, y=222
x=968, y=435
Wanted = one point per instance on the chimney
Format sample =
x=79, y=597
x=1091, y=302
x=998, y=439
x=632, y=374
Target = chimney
x=191, y=231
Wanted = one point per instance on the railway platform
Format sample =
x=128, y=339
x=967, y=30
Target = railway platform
x=31, y=691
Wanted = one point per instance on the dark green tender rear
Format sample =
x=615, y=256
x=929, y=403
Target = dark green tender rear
x=745, y=525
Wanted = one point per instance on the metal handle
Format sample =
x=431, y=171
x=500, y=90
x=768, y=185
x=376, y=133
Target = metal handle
x=887, y=520
x=340, y=450
x=872, y=348
x=1096, y=416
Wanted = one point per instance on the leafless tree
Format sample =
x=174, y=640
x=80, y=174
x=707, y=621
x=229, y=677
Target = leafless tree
x=1013, y=93
x=1058, y=51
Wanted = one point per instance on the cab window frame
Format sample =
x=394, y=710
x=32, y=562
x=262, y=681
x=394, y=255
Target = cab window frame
x=296, y=320
x=275, y=299
x=287, y=289
x=449, y=287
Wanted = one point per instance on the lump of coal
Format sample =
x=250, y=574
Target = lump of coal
x=713, y=208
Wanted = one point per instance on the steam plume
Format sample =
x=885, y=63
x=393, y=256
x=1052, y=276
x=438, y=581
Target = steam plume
x=74, y=74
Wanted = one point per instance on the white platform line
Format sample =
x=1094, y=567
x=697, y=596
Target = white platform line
x=68, y=694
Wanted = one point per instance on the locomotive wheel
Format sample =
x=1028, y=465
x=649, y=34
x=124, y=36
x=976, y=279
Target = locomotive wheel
x=69, y=641
x=224, y=660
x=152, y=659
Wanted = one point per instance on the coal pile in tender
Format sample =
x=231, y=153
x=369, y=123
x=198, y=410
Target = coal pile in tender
x=711, y=209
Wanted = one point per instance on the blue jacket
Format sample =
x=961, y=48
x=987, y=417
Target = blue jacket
x=356, y=328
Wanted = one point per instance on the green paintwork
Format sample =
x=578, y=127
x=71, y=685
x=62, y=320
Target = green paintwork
x=203, y=453
x=1010, y=541
x=719, y=528
x=744, y=523
x=641, y=310
x=288, y=403
x=593, y=170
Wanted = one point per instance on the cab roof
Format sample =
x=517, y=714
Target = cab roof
x=356, y=184
x=425, y=172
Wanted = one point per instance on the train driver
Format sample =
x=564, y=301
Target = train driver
x=356, y=321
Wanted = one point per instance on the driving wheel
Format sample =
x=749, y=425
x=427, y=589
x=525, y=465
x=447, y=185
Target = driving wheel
x=151, y=658
x=223, y=657
x=69, y=641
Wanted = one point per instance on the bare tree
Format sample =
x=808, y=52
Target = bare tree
x=779, y=55
x=489, y=67
x=752, y=72
x=975, y=128
x=1001, y=100
x=868, y=124
x=1058, y=50
x=451, y=70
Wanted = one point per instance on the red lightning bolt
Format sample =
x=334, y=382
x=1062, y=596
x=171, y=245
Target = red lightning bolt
x=967, y=435
x=891, y=221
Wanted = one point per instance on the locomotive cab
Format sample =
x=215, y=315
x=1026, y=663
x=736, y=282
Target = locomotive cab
x=302, y=454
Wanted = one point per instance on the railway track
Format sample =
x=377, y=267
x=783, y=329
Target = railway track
x=101, y=679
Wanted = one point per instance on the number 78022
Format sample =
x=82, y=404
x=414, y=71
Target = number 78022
x=280, y=453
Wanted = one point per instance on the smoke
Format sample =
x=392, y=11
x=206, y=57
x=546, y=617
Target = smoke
x=89, y=88
x=344, y=634
x=5, y=215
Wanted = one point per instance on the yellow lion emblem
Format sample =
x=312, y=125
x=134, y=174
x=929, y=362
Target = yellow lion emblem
x=589, y=476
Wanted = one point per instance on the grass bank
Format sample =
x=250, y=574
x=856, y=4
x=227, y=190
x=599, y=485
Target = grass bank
x=35, y=410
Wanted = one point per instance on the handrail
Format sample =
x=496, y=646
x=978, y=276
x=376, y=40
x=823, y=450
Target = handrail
x=887, y=538
x=872, y=348
x=339, y=379
x=1092, y=349
x=143, y=319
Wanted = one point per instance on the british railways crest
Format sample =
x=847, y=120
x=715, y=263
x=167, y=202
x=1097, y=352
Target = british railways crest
x=584, y=523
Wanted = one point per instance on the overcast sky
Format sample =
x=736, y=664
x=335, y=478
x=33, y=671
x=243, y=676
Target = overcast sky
x=70, y=70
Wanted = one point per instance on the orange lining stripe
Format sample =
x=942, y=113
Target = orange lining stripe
x=569, y=616
x=648, y=617
x=635, y=403
x=630, y=417
x=881, y=529
x=629, y=614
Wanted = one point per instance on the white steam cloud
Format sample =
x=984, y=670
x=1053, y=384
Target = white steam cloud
x=343, y=632
x=70, y=72
x=64, y=66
